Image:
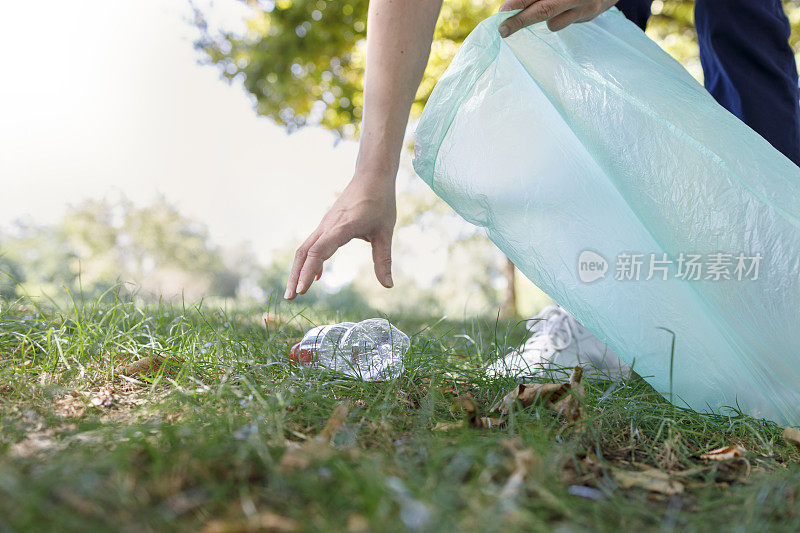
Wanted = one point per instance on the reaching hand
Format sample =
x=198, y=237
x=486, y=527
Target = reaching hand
x=365, y=210
x=558, y=13
x=399, y=42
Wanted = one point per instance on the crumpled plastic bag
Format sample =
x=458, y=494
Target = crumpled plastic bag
x=589, y=150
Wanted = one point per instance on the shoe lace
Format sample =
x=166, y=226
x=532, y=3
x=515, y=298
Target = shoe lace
x=553, y=326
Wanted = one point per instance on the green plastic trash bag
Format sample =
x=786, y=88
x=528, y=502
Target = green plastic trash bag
x=618, y=185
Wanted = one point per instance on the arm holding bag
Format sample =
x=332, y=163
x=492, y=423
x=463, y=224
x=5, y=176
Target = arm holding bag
x=594, y=139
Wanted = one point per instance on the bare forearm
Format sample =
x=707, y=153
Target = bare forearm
x=399, y=35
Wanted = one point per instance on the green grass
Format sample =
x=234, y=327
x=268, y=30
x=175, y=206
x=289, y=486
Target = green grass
x=201, y=441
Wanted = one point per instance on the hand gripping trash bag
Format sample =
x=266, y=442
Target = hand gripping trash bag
x=616, y=184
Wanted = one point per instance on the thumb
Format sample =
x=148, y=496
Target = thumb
x=382, y=257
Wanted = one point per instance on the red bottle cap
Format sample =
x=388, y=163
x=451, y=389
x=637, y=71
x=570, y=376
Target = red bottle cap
x=301, y=355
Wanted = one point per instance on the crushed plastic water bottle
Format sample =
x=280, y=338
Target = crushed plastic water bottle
x=372, y=349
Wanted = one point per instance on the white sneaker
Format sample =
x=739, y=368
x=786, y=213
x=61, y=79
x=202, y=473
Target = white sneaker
x=558, y=344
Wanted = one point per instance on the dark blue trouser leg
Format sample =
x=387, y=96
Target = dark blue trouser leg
x=637, y=11
x=748, y=64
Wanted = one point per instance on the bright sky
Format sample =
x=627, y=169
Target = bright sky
x=106, y=97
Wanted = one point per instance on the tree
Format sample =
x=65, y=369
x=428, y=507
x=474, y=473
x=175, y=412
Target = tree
x=90, y=233
x=165, y=249
x=10, y=275
x=303, y=60
x=98, y=245
x=42, y=257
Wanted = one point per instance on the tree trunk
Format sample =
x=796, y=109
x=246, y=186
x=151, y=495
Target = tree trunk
x=509, y=307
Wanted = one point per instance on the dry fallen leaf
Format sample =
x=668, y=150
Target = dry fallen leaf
x=571, y=406
x=146, y=366
x=266, y=521
x=105, y=397
x=724, y=453
x=357, y=523
x=449, y=426
x=529, y=393
x=471, y=414
x=34, y=443
x=488, y=422
x=69, y=406
x=523, y=460
x=792, y=436
x=335, y=422
x=592, y=463
x=668, y=457
x=564, y=398
x=648, y=478
x=300, y=456
x=319, y=447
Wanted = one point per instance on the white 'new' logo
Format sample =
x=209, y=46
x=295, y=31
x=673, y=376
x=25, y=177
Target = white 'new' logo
x=591, y=266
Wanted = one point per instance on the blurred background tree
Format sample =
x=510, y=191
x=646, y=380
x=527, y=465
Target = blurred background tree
x=97, y=245
x=153, y=252
x=10, y=276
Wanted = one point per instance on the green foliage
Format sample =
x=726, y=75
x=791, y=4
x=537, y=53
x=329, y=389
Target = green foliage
x=672, y=27
x=158, y=235
x=303, y=60
x=153, y=251
x=98, y=245
x=300, y=59
x=42, y=257
x=10, y=276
